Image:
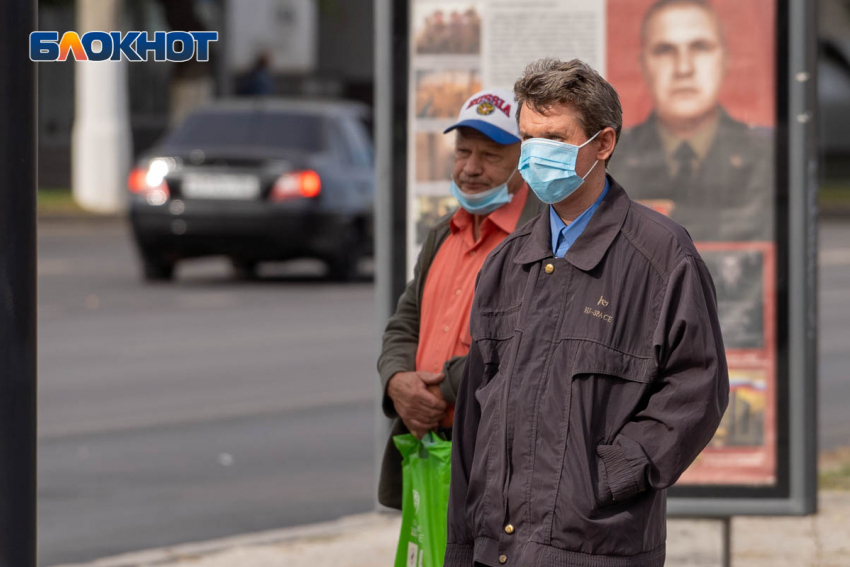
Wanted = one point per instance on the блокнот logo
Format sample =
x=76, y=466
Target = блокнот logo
x=175, y=46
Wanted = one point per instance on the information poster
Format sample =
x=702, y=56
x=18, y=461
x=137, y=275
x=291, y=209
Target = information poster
x=698, y=90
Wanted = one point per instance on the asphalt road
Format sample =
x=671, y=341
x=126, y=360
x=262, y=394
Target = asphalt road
x=211, y=407
x=176, y=413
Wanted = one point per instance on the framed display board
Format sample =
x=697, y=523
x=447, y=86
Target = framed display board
x=734, y=83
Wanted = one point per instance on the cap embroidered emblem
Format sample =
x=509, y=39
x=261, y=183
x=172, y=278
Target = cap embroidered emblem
x=485, y=108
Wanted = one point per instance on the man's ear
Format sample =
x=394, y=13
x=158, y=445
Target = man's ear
x=515, y=182
x=607, y=141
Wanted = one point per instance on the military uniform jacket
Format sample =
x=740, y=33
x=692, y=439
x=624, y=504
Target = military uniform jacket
x=593, y=381
x=731, y=195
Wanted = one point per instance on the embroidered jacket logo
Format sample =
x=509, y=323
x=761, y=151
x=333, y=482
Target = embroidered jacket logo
x=599, y=314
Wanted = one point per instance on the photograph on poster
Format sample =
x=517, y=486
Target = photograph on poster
x=697, y=84
x=739, y=281
x=431, y=209
x=744, y=420
x=743, y=451
x=439, y=94
x=443, y=28
x=434, y=156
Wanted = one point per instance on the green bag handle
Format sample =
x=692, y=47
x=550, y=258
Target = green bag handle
x=407, y=444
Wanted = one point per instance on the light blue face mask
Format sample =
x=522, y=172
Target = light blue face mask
x=482, y=203
x=549, y=168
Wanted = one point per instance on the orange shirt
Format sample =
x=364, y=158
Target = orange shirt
x=450, y=283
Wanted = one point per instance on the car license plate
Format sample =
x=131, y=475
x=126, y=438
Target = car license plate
x=220, y=186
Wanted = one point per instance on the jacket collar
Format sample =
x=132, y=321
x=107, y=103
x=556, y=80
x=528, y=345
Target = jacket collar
x=588, y=250
x=533, y=207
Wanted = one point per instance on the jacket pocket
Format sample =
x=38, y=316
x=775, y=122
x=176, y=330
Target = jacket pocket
x=598, y=359
x=493, y=330
x=608, y=388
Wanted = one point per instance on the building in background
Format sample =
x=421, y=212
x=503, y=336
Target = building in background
x=315, y=48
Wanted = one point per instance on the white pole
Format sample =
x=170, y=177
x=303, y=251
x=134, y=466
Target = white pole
x=101, y=150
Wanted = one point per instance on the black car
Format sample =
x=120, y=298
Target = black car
x=258, y=180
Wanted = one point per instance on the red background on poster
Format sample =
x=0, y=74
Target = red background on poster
x=749, y=89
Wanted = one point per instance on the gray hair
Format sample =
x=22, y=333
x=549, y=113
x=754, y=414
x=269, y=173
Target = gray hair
x=548, y=82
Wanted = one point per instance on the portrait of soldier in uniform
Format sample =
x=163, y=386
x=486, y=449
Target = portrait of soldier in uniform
x=710, y=172
x=738, y=277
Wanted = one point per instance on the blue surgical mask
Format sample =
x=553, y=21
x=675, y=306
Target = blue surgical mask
x=482, y=203
x=549, y=168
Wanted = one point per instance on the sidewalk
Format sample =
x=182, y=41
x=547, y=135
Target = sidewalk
x=369, y=540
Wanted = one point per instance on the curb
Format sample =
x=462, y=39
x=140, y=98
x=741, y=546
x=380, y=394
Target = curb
x=834, y=213
x=172, y=554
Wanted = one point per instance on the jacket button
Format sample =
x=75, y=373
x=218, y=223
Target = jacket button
x=509, y=529
x=549, y=268
x=503, y=559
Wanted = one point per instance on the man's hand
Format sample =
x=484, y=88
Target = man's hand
x=420, y=410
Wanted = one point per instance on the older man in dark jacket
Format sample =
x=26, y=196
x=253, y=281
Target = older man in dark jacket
x=597, y=371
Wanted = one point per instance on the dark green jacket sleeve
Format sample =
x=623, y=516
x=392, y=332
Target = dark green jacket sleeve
x=453, y=369
x=401, y=339
x=401, y=335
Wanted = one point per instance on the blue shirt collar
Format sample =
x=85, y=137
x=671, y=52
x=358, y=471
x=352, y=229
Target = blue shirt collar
x=563, y=235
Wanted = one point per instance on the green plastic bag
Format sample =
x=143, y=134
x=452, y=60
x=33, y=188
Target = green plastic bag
x=426, y=472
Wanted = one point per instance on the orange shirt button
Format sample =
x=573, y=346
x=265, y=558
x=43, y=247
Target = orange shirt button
x=458, y=292
x=472, y=252
x=446, y=329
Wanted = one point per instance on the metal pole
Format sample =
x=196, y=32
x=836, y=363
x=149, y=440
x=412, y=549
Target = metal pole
x=391, y=41
x=18, y=121
x=726, y=536
x=803, y=230
x=383, y=200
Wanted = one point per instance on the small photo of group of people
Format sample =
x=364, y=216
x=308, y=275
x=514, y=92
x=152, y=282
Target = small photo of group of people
x=448, y=28
x=439, y=94
x=431, y=209
x=743, y=423
x=739, y=280
x=434, y=157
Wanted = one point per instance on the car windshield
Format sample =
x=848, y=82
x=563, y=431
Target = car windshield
x=274, y=130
